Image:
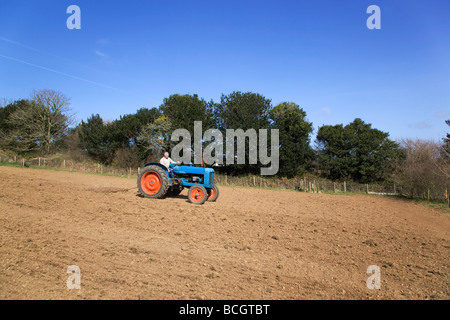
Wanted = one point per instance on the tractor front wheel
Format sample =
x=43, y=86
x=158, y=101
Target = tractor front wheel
x=197, y=194
x=153, y=182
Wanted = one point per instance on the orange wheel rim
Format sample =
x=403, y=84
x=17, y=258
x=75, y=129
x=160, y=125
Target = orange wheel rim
x=151, y=182
x=212, y=193
x=196, y=194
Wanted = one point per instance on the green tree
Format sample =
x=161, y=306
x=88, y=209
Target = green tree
x=124, y=132
x=240, y=110
x=356, y=151
x=21, y=125
x=447, y=141
x=295, y=131
x=105, y=142
x=5, y=113
x=183, y=110
x=154, y=138
x=244, y=111
x=94, y=139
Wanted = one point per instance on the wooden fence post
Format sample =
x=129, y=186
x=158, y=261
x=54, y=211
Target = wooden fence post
x=367, y=188
x=345, y=186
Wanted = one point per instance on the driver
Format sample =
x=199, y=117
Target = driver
x=166, y=161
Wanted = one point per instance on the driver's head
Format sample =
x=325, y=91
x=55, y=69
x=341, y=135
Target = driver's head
x=166, y=155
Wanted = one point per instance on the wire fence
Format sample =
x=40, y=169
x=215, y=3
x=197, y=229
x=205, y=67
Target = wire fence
x=319, y=185
x=63, y=164
x=307, y=184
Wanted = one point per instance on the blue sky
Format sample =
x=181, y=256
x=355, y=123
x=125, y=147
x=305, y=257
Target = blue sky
x=318, y=54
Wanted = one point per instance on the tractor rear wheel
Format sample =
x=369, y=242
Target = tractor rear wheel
x=153, y=182
x=197, y=194
x=213, y=194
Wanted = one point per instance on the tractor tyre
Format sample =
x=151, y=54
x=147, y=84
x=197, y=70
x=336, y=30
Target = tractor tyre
x=213, y=194
x=197, y=194
x=153, y=182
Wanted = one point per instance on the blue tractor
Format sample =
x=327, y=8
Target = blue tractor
x=157, y=181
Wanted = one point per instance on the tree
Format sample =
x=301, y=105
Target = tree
x=124, y=132
x=244, y=111
x=154, y=138
x=94, y=139
x=183, y=110
x=21, y=126
x=4, y=102
x=447, y=141
x=72, y=145
x=425, y=168
x=35, y=124
x=295, y=131
x=356, y=151
x=54, y=116
x=5, y=112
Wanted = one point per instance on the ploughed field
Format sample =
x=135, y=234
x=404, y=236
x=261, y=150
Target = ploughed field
x=250, y=244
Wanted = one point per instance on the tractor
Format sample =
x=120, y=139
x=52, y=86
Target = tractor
x=157, y=181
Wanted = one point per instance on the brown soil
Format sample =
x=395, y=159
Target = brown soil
x=250, y=244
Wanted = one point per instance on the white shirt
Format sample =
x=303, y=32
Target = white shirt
x=166, y=162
